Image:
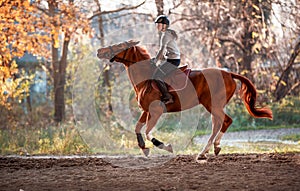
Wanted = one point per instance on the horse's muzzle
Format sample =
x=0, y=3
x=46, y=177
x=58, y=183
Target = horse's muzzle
x=112, y=59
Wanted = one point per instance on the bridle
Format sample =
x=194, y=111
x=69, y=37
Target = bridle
x=121, y=59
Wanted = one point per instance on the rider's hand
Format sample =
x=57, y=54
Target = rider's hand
x=153, y=60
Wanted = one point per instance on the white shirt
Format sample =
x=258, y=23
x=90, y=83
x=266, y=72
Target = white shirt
x=168, y=47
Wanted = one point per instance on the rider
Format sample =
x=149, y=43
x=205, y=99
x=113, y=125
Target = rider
x=169, y=53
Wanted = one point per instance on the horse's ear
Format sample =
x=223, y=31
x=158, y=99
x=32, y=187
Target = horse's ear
x=132, y=43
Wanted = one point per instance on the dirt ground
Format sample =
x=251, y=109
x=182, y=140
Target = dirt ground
x=224, y=172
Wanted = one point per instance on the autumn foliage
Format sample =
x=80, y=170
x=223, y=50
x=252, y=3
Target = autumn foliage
x=34, y=28
x=19, y=34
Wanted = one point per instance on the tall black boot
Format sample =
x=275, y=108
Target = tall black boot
x=166, y=96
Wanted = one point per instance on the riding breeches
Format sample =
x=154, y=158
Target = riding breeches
x=166, y=68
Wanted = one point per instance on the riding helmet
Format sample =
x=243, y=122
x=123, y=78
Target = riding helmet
x=162, y=19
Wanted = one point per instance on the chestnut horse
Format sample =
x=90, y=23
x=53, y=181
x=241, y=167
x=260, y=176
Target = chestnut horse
x=212, y=87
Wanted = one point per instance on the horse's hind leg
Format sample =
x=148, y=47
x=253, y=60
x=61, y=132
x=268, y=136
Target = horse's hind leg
x=226, y=123
x=216, y=126
x=219, y=120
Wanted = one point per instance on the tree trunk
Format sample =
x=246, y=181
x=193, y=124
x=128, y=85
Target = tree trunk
x=284, y=85
x=159, y=7
x=247, y=43
x=60, y=81
x=55, y=64
x=107, y=71
x=59, y=69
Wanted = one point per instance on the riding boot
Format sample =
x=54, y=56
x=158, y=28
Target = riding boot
x=166, y=96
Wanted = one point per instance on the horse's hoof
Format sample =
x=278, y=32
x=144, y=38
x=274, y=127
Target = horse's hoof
x=146, y=151
x=201, y=157
x=202, y=161
x=217, y=150
x=168, y=148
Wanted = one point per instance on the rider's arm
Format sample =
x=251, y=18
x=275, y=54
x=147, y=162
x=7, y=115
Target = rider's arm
x=165, y=39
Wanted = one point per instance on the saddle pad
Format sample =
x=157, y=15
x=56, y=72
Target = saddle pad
x=177, y=80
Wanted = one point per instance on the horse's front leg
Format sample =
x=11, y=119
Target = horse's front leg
x=155, y=111
x=138, y=127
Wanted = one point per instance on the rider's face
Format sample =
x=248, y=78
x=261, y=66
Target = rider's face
x=160, y=27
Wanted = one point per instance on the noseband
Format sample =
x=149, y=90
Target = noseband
x=121, y=59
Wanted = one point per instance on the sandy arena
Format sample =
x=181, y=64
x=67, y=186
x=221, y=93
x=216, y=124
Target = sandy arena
x=224, y=172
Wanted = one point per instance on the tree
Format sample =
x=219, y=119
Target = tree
x=229, y=30
x=284, y=85
x=64, y=20
x=101, y=35
x=159, y=7
x=241, y=37
x=21, y=32
x=30, y=27
x=288, y=82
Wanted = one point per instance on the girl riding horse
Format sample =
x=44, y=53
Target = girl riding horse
x=212, y=87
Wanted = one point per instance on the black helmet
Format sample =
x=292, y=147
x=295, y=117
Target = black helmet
x=162, y=19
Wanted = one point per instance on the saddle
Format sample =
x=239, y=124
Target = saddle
x=176, y=80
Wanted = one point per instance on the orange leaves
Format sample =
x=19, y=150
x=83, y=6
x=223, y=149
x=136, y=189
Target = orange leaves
x=16, y=23
x=32, y=28
x=7, y=84
x=18, y=35
x=55, y=36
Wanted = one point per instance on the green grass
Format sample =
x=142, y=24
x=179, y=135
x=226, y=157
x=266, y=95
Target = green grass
x=293, y=137
x=248, y=147
x=52, y=140
x=201, y=132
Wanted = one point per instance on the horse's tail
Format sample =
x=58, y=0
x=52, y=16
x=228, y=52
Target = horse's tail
x=248, y=95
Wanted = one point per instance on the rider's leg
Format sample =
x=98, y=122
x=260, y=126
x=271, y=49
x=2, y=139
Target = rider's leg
x=159, y=76
x=166, y=96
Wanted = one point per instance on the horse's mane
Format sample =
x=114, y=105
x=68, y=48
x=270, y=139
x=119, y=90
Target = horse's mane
x=139, y=53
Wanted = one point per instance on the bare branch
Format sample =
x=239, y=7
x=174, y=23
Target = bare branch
x=116, y=10
x=43, y=10
x=125, y=14
x=234, y=41
x=281, y=90
x=215, y=29
x=295, y=86
x=175, y=6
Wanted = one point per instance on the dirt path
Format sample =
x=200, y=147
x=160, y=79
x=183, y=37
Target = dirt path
x=225, y=172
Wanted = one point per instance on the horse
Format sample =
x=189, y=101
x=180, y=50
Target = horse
x=211, y=87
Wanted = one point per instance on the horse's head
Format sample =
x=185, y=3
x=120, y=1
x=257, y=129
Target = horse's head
x=136, y=59
x=131, y=55
x=111, y=51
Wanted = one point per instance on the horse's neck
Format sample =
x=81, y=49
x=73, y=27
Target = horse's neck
x=140, y=72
